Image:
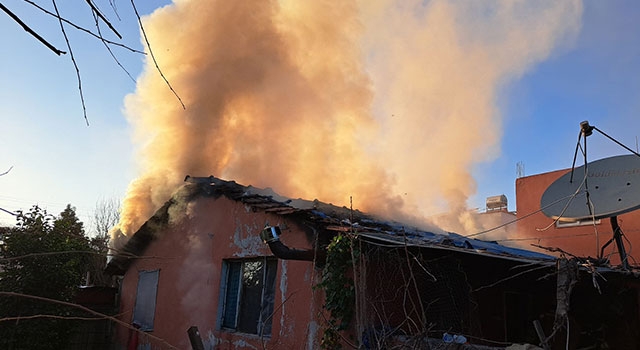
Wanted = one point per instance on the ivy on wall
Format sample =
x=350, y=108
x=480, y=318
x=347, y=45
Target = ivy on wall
x=337, y=283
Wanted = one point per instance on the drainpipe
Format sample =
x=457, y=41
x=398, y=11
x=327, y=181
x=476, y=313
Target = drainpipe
x=271, y=236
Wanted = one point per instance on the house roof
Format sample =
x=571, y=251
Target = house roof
x=324, y=216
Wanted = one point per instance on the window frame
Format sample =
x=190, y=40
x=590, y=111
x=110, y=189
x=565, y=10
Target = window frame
x=269, y=275
x=144, y=308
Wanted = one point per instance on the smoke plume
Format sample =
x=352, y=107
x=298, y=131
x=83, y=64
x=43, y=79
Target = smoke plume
x=391, y=102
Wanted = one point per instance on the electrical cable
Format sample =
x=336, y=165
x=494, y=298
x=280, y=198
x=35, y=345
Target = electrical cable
x=516, y=220
x=566, y=206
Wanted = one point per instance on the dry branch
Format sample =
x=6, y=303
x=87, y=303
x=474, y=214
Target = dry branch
x=8, y=170
x=31, y=31
x=86, y=309
x=95, y=17
x=97, y=12
x=8, y=212
x=73, y=59
x=32, y=317
x=511, y=277
x=123, y=254
x=98, y=36
x=153, y=57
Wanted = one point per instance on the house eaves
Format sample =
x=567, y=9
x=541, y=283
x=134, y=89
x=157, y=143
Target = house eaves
x=326, y=218
x=476, y=247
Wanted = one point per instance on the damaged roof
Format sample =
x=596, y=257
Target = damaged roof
x=324, y=216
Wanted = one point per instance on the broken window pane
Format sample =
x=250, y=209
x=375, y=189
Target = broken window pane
x=249, y=294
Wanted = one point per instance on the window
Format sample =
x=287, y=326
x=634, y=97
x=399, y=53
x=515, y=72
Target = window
x=145, y=309
x=247, y=295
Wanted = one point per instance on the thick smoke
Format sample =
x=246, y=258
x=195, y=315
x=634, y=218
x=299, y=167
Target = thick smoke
x=390, y=102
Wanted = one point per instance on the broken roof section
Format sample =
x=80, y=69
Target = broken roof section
x=327, y=217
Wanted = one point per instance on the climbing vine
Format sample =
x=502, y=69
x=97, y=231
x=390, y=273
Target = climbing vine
x=337, y=283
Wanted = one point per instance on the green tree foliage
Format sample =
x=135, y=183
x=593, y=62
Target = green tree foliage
x=44, y=256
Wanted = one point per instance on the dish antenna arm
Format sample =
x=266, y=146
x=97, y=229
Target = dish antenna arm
x=617, y=236
x=587, y=130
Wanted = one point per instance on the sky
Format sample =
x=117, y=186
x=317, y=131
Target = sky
x=56, y=159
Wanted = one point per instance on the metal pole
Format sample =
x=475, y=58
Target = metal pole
x=617, y=236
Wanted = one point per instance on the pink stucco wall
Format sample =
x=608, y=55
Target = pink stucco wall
x=189, y=254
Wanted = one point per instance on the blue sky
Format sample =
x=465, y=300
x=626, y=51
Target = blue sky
x=595, y=79
x=58, y=159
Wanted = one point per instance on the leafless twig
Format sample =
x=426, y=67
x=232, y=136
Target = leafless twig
x=83, y=29
x=115, y=9
x=97, y=12
x=511, y=277
x=31, y=255
x=554, y=250
x=264, y=345
x=31, y=31
x=6, y=172
x=75, y=65
x=31, y=317
x=153, y=57
x=423, y=320
x=95, y=17
x=8, y=212
x=80, y=307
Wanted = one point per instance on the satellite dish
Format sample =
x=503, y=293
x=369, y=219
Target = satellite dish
x=611, y=187
x=601, y=189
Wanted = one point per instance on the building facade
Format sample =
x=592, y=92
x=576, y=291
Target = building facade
x=206, y=266
x=201, y=262
x=583, y=239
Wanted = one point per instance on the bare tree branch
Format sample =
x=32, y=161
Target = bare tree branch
x=511, y=277
x=86, y=309
x=144, y=34
x=49, y=253
x=97, y=12
x=75, y=65
x=124, y=254
x=31, y=31
x=115, y=9
x=95, y=17
x=31, y=317
x=83, y=29
x=8, y=212
x=106, y=215
x=6, y=172
x=98, y=16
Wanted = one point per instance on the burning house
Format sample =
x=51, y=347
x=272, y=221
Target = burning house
x=251, y=269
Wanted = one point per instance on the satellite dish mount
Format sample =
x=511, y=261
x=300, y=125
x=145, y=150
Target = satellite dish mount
x=609, y=187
